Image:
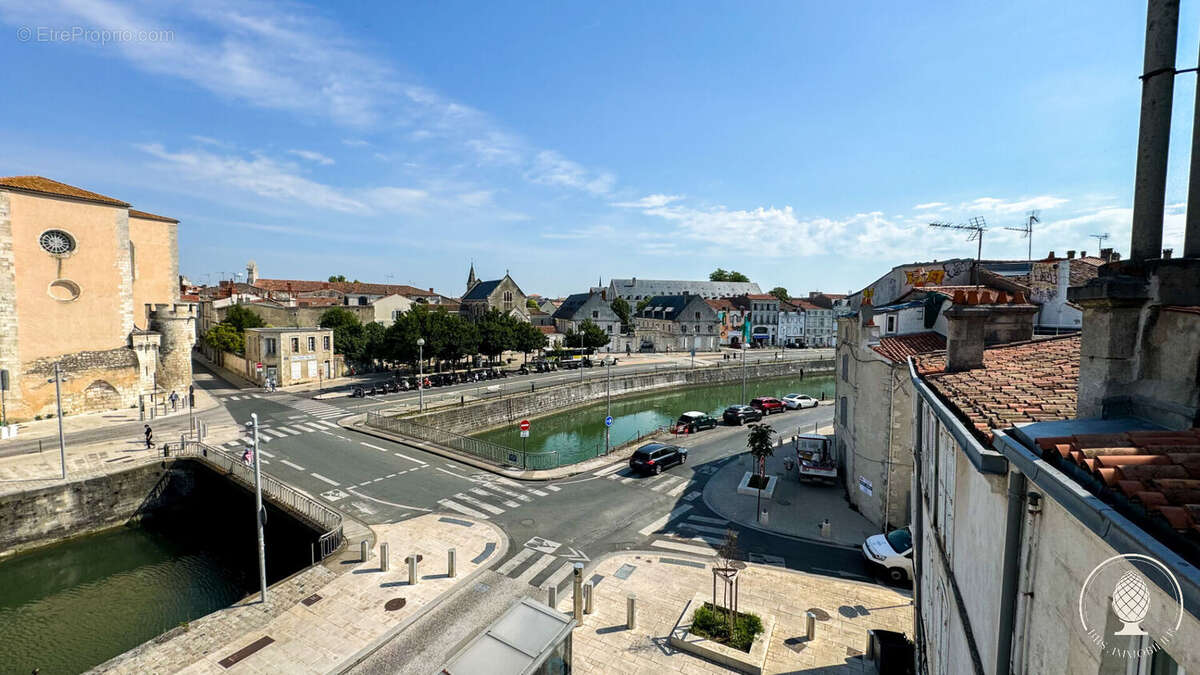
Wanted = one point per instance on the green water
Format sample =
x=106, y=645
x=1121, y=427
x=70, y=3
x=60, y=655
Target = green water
x=578, y=434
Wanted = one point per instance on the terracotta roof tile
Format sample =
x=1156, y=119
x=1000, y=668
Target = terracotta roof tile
x=53, y=187
x=150, y=216
x=348, y=287
x=900, y=347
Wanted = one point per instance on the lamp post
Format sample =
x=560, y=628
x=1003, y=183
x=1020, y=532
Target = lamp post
x=259, y=516
x=62, y=446
x=581, y=352
x=421, y=374
x=743, y=372
x=607, y=404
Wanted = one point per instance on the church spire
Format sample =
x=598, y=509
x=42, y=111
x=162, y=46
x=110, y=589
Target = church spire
x=471, y=279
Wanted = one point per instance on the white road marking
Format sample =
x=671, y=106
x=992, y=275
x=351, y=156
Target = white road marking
x=462, y=509
x=392, y=475
x=537, y=492
x=265, y=453
x=662, y=522
x=290, y=431
x=456, y=475
x=320, y=477
x=674, y=545
x=513, y=562
x=331, y=425
x=608, y=469
x=627, y=480
x=658, y=486
x=274, y=432
x=536, y=568
x=674, y=492
x=399, y=506
x=294, y=466
x=508, y=482
x=481, y=504
x=373, y=447
x=553, y=487
x=705, y=519
x=558, y=576
x=690, y=496
x=510, y=493
x=411, y=459
x=703, y=528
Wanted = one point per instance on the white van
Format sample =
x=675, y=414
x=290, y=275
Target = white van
x=893, y=552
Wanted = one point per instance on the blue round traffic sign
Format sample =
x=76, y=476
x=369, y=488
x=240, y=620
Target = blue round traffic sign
x=608, y=421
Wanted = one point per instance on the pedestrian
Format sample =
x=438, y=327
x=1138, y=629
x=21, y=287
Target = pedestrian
x=174, y=399
x=248, y=456
x=149, y=437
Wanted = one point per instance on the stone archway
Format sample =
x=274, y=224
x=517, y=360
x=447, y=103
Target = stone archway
x=100, y=395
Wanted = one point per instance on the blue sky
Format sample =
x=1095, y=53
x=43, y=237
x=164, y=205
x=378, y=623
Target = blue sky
x=805, y=144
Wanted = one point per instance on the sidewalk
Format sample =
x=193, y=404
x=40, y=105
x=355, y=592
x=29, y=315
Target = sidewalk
x=331, y=615
x=845, y=611
x=796, y=509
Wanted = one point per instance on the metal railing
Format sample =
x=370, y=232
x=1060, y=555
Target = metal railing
x=280, y=493
x=486, y=450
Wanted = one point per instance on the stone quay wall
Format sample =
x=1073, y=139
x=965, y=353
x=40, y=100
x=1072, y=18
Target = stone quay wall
x=483, y=415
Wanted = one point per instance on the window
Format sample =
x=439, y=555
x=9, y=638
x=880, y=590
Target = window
x=362, y=299
x=326, y=343
x=610, y=329
x=312, y=344
x=295, y=344
x=595, y=314
x=891, y=323
x=270, y=347
x=132, y=261
x=57, y=242
x=508, y=296
x=697, y=316
x=842, y=412
x=846, y=367
x=396, y=314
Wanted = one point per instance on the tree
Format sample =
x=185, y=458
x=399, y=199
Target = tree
x=224, y=337
x=780, y=292
x=496, y=332
x=720, y=274
x=373, y=339
x=242, y=317
x=527, y=338
x=738, y=276
x=761, y=444
x=348, y=337
x=447, y=336
x=642, y=304
x=621, y=307
x=337, y=277
x=593, y=336
x=530, y=303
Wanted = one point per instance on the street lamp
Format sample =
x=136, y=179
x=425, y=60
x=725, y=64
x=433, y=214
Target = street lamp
x=259, y=514
x=607, y=404
x=421, y=374
x=62, y=446
x=744, y=372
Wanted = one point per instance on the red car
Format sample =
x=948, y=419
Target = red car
x=767, y=405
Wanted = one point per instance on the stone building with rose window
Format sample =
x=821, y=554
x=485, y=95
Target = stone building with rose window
x=93, y=285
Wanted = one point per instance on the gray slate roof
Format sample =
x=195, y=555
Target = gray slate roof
x=705, y=289
x=482, y=290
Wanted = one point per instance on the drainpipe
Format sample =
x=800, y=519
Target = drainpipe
x=1008, y=589
x=887, y=468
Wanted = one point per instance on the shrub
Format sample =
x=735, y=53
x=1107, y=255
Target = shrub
x=713, y=623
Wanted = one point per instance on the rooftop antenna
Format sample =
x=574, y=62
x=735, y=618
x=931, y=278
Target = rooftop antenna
x=1099, y=239
x=976, y=226
x=1026, y=230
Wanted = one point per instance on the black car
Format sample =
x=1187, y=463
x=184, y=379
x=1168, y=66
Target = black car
x=740, y=414
x=693, y=421
x=654, y=457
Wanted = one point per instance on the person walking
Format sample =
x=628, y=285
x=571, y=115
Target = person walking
x=174, y=399
x=149, y=437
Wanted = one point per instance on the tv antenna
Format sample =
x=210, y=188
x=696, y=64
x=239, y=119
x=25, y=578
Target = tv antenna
x=977, y=226
x=1026, y=230
x=1099, y=238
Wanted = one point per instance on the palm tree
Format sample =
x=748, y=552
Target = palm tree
x=761, y=445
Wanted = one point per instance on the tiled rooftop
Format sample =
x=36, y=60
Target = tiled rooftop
x=900, y=347
x=976, y=295
x=1018, y=384
x=1158, y=471
x=53, y=187
x=151, y=216
x=349, y=287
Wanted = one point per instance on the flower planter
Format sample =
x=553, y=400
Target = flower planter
x=747, y=662
x=745, y=489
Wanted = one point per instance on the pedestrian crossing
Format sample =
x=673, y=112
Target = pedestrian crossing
x=492, y=496
x=242, y=397
x=699, y=535
x=313, y=407
x=664, y=483
x=267, y=434
x=539, y=568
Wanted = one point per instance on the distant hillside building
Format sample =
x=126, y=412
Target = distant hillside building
x=635, y=290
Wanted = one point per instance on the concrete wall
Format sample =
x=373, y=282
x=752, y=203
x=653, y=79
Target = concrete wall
x=154, y=263
x=486, y=414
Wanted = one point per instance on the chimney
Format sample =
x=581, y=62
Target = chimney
x=1051, y=256
x=1106, y=254
x=1083, y=254
x=1070, y=254
x=964, y=336
x=604, y=295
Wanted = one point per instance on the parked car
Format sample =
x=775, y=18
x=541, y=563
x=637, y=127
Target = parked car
x=740, y=414
x=767, y=405
x=891, y=552
x=654, y=457
x=796, y=401
x=692, y=421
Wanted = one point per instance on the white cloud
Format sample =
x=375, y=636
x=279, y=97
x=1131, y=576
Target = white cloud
x=1004, y=207
x=928, y=205
x=592, y=232
x=312, y=156
x=551, y=168
x=649, y=201
x=355, y=142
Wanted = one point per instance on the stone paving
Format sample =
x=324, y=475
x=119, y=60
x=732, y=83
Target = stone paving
x=351, y=618
x=797, y=508
x=664, y=585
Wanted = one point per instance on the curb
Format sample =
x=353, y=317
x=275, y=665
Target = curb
x=376, y=644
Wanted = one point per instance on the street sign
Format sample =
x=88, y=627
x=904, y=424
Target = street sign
x=608, y=421
x=258, y=366
x=524, y=433
x=524, y=425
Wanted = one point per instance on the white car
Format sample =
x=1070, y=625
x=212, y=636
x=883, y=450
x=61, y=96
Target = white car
x=795, y=401
x=892, y=552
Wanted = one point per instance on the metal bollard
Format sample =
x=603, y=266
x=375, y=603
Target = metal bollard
x=826, y=529
x=552, y=597
x=384, y=558
x=450, y=567
x=577, y=587
x=364, y=550
x=587, y=598
x=810, y=626
x=631, y=611
x=412, y=570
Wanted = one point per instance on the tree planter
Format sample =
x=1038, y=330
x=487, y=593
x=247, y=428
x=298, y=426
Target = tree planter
x=745, y=489
x=747, y=662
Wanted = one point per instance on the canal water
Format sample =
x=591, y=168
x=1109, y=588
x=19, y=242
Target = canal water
x=71, y=606
x=578, y=434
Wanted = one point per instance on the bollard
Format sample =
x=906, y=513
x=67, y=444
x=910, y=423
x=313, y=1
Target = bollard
x=364, y=550
x=412, y=570
x=810, y=626
x=631, y=611
x=587, y=598
x=450, y=571
x=552, y=597
x=826, y=529
x=577, y=587
x=383, y=557
x=763, y=517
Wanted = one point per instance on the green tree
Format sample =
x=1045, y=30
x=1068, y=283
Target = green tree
x=497, y=332
x=761, y=443
x=224, y=337
x=527, y=338
x=593, y=336
x=738, y=276
x=373, y=339
x=530, y=303
x=348, y=337
x=447, y=336
x=621, y=307
x=337, y=277
x=242, y=317
x=642, y=304
x=780, y=292
x=721, y=274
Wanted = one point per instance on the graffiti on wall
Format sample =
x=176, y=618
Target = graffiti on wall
x=901, y=280
x=1043, y=281
x=924, y=277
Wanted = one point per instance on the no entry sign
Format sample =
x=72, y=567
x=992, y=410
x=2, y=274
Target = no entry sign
x=524, y=425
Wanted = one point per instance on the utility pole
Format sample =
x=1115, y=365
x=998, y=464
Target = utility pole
x=62, y=445
x=581, y=352
x=421, y=374
x=607, y=406
x=259, y=515
x=743, y=373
